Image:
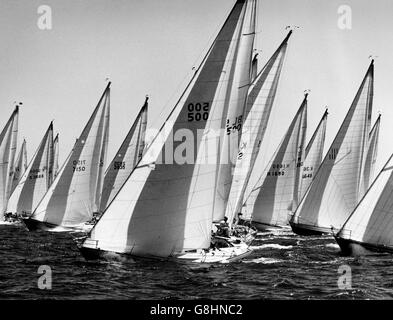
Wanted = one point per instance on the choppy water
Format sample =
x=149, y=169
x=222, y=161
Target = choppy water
x=283, y=266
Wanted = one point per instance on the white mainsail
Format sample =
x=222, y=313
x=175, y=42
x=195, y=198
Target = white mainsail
x=166, y=205
x=371, y=157
x=334, y=192
x=258, y=109
x=55, y=156
x=20, y=166
x=8, y=139
x=313, y=156
x=238, y=71
x=371, y=222
x=35, y=181
x=272, y=199
x=126, y=158
x=71, y=198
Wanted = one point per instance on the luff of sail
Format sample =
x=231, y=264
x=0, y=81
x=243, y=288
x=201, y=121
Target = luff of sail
x=55, y=156
x=334, y=192
x=254, y=68
x=126, y=158
x=166, y=205
x=271, y=200
x=7, y=153
x=71, y=198
x=237, y=73
x=20, y=166
x=313, y=155
x=258, y=109
x=371, y=157
x=34, y=183
x=370, y=224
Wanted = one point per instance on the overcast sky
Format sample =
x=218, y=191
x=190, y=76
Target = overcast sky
x=150, y=47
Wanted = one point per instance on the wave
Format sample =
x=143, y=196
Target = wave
x=271, y=246
x=263, y=260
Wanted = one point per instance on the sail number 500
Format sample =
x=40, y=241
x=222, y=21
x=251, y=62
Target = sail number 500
x=198, y=111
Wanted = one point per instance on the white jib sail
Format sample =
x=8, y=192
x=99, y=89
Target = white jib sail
x=126, y=158
x=237, y=70
x=313, y=156
x=35, y=181
x=71, y=198
x=371, y=157
x=372, y=221
x=334, y=192
x=166, y=205
x=7, y=152
x=259, y=105
x=271, y=200
x=20, y=166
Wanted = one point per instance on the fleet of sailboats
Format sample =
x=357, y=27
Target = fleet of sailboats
x=163, y=200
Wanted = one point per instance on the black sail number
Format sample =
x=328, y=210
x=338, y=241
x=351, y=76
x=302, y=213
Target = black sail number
x=198, y=111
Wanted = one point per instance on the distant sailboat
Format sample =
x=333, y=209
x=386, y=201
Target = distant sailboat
x=165, y=208
x=272, y=199
x=371, y=157
x=72, y=198
x=20, y=166
x=126, y=158
x=258, y=109
x=313, y=156
x=35, y=181
x=334, y=191
x=8, y=140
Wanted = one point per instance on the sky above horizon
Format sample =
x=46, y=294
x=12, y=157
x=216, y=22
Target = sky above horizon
x=150, y=47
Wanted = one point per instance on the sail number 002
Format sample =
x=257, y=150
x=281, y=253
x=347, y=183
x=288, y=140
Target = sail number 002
x=198, y=111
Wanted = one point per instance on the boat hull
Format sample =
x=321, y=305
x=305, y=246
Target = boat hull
x=222, y=255
x=307, y=230
x=35, y=225
x=355, y=248
x=265, y=227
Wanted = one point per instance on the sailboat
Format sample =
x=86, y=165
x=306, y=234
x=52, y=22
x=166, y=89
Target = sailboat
x=276, y=192
x=371, y=157
x=166, y=207
x=258, y=109
x=334, y=191
x=72, y=197
x=313, y=156
x=126, y=158
x=20, y=166
x=369, y=228
x=35, y=181
x=8, y=141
